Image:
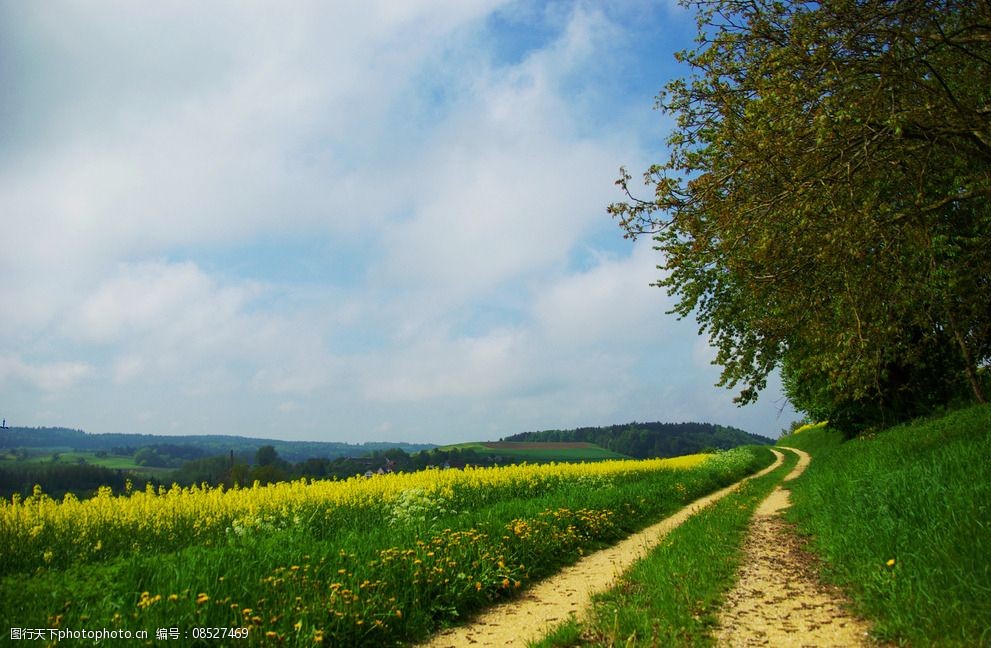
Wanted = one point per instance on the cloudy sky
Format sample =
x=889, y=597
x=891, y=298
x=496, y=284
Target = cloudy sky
x=338, y=221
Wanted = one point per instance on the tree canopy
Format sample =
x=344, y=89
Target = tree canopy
x=824, y=207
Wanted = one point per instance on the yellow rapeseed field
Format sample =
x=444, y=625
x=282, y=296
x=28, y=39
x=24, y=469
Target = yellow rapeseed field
x=43, y=531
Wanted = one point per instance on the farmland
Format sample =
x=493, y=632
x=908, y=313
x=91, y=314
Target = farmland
x=536, y=452
x=354, y=562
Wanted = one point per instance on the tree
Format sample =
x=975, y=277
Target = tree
x=825, y=204
x=266, y=456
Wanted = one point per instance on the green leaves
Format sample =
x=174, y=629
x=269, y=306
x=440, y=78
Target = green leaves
x=824, y=205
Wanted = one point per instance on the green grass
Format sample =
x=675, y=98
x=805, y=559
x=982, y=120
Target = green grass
x=519, y=451
x=361, y=580
x=116, y=462
x=918, y=495
x=670, y=597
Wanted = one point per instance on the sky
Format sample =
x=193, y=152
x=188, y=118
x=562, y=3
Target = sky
x=376, y=221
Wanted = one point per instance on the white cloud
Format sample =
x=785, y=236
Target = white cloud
x=48, y=377
x=128, y=367
x=416, y=186
x=173, y=302
x=611, y=303
x=442, y=367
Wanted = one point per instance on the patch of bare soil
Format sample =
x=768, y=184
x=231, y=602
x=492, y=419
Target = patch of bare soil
x=528, y=618
x=778, y=601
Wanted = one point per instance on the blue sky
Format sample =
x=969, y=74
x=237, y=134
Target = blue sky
x=311, y=220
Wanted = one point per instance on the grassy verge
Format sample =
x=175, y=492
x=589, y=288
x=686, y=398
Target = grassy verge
x=671, y=596
x=902, y=521
x=391, y=573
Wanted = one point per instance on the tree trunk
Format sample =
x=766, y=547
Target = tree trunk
x=970, y=367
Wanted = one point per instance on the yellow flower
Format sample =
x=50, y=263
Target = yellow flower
x=202, y=598
x=890, y=563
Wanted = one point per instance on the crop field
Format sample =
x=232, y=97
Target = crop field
x=41, y=456
x=539, y=452
x=363, y=561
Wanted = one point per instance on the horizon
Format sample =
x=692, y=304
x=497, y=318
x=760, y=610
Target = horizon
x=358, y=443
x=352, y=224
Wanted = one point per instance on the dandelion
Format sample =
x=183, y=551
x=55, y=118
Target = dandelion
x=147, y=600
x=202, y=598
x=891, y=562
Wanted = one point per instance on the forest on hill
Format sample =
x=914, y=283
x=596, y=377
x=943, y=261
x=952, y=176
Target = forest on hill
x=643, y=440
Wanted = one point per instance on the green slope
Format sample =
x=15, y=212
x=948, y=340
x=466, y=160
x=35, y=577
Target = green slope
x=537, y=452
x=902, y=520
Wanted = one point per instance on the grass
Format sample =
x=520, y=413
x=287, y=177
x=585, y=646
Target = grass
x=516, y=451
x=902, y=521
x=114, y=462
x=670, y=597
x=377, y=573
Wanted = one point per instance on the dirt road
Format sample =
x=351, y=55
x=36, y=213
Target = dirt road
x=552, y=600
x=777, y=600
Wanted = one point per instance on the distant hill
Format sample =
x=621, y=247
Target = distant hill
x=643, y=440
x=208, y=444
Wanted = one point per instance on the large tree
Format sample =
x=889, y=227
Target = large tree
x=825, y=205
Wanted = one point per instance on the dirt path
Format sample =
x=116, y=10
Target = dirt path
x=777, y=600
x=550, y=601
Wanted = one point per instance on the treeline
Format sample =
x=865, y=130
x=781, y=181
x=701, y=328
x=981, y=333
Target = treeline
x=643, y=440
x=57, y=479
x=265, y=466
x=268, y=467
x=187, y=446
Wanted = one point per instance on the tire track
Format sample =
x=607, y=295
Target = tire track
x=778, y=601
x=552, y=600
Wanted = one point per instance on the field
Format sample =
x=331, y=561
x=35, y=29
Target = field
x=898, y=518
x=538, y=452
x=67, y=456
x=355, y=562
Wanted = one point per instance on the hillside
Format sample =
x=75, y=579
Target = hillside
x=901, y=518
x=643, y=440
x=535, y=452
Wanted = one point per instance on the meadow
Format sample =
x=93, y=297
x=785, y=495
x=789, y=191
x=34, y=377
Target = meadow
x=902, y=521
x=383, y=560
x=519, y=451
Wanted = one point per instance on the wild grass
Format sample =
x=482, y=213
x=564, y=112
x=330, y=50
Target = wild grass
x=902, y=520
x=318, y=570
x=670, y=598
